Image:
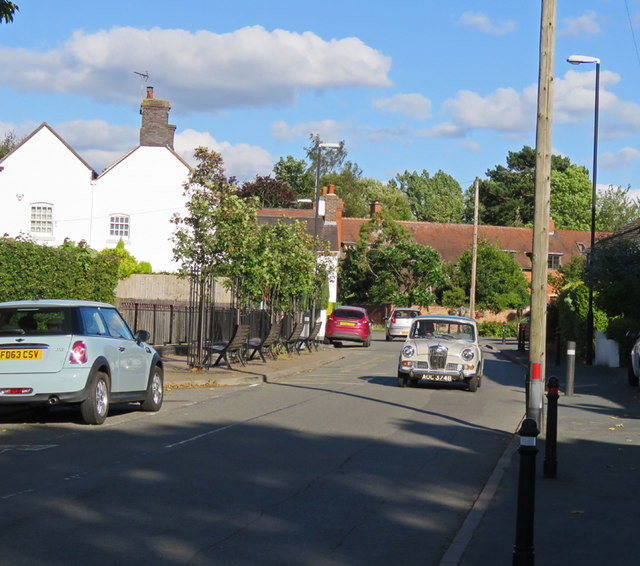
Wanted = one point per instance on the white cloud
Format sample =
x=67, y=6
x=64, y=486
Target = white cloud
x=413, y=106
x=584, y=25
x=328, y=130
x=621, y=158
x=481, y=22
x=201, y=71
x=242, y=161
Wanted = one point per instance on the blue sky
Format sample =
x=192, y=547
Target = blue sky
x=409, y=85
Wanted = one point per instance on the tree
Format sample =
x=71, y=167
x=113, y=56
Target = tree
x=500, y=284
x=9, y=143
x=387, y=266
x=270, y=192
x=296, y=174
x=7, y=11
x=507, y=197
x=127, y=264
x=615, y=209
x=432, y=199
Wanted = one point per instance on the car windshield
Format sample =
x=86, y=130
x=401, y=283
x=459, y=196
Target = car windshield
x=46, y=321
x=348, y=313
x=447, y=329
x=405, y=314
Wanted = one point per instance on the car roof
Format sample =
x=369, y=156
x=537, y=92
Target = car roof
x=449, y=317
x=412, y=309
x=39, y=303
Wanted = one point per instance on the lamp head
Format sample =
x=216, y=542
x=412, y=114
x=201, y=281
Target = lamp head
x=329, y=145
x=577, y=59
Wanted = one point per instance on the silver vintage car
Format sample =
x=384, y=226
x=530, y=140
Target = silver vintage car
x=441, y=349
x=77, y=353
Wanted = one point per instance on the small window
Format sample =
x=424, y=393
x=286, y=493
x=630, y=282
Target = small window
x=119, y=226
x=553, y=262
x=42, y=218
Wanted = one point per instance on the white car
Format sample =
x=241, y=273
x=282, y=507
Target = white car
x=399, y=322
x=77, y=353
x=441, y=349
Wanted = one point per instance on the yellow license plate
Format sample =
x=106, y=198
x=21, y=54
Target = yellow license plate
x=347, y=324
x=20, y=354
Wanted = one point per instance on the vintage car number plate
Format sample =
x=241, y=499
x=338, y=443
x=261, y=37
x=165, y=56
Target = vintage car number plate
x=347, y=324
x=22, y=354
x=438, y=377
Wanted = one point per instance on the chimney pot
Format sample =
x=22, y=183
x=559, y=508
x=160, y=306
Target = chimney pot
x=332, y=189
x=149, y=92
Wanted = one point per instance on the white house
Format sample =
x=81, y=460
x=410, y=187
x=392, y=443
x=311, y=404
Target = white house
x=50, y=193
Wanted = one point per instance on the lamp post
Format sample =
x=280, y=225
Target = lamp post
x=577, y=60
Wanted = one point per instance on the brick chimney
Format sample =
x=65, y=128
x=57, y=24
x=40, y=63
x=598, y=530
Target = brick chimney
x=376, y=208
x=331, y=205
x=156, y=130
x=552, y=226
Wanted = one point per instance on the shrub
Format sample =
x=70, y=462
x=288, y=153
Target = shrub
x=492, y=328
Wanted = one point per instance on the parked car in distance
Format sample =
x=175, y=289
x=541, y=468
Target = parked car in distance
x=399, y=322
x=441, y=349
x=77, y=353
x=633, y=371
x=348, y=324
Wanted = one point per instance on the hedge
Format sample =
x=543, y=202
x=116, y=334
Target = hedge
x=29, y=270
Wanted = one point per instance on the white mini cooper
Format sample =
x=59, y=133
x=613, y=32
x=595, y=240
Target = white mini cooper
x=441, y=349
x=75, y=352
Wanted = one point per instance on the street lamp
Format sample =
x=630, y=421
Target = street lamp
x=577, y=60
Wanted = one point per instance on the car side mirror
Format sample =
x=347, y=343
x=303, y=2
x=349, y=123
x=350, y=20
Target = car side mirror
x=142, y=336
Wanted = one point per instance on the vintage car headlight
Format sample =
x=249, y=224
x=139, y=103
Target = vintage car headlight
x=467, y=354
x=408, y=351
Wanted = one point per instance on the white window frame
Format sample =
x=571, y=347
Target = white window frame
x=119, y=227
x=41, y=219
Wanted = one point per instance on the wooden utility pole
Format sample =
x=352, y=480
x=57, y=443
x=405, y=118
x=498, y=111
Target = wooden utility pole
x=474, y=254
x=537, y=346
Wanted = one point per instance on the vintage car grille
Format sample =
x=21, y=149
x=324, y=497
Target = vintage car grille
x=438, y=357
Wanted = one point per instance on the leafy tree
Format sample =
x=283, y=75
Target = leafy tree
x=615, y=209
x=7, y=11
x=127, y=264
x=9, y=142
x=270, y=192
x=500, y=284
x=330, y=159
x=296, y=174
x=432, y=199
x=387, y=266
x=614, y=272
x=571, y=192
x=507, y=197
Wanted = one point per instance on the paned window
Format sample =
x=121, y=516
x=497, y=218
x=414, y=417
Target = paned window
x=41, y=218
x=553, y=262
x=119, y=226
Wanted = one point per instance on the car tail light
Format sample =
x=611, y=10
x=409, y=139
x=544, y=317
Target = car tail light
x=16, y=391
x=78, y=353
x=393, y=320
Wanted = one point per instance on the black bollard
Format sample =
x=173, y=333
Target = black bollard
x=523, y=551
x=504, y=332
x=551, y=440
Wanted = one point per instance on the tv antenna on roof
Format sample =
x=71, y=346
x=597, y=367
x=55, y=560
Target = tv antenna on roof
x=144, y=77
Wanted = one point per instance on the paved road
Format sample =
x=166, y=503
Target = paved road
x=333, y=467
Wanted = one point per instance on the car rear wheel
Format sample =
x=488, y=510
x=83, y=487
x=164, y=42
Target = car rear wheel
x=95, y=407
x=367, y=342
x=631, y=376
x=155, y=391
x=389, y=337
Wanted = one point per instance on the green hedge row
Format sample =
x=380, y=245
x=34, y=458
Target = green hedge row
x=494, y=329
x=67, y=272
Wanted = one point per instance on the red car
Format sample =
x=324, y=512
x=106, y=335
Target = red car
x=349, y=324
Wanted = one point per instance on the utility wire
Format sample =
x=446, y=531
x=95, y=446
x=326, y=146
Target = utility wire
x=633, y=35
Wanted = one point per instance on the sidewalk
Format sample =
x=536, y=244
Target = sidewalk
x=588, y=514
x=177, y=373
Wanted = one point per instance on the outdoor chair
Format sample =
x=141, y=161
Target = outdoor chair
x=291, y=341
x=234, y=347
x=311, y=340
x=264, y=345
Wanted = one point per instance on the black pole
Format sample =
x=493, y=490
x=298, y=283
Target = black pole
x=551, y=439
x=523, y=551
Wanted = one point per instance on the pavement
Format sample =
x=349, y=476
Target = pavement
x=587, y=514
